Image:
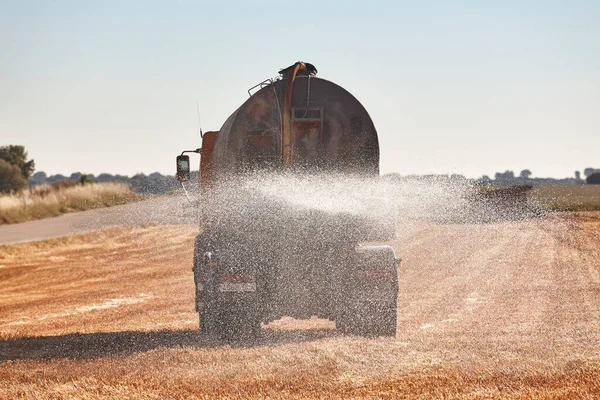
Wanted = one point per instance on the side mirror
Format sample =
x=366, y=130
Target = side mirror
x=183, y=168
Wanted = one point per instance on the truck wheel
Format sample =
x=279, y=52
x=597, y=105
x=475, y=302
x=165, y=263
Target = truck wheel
x=208, y=320
x=384, y=322
x=238, y=322
x=230, y=321
x=346, y=323
x=368, y=294
x=368, y=319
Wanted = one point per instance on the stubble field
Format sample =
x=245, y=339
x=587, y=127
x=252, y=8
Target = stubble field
x=499, y=310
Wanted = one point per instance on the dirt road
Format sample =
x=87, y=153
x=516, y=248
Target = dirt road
x=498, y=310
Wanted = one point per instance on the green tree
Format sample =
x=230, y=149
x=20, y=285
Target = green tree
x=16, y=155
x=11, y=179
x=525, y=174
x=84, y=179
x=505, y=176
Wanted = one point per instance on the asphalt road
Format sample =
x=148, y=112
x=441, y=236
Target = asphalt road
x=159, y=210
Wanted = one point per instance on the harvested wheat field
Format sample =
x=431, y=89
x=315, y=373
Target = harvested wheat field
x=499, y=310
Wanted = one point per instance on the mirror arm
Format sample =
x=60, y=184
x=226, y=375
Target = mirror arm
x=191, y=151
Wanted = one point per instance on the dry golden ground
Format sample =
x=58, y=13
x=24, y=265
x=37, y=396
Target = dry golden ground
x=506, y=310
x=567, y=197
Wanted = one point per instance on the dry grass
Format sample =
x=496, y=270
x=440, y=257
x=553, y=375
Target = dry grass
x=57, y=286
x=109, y=315
x=49, y=201
x=199, y=374
x=587, y=239
x=567, y=197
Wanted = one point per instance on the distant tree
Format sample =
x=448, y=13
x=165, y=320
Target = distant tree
x=16, y=155
x=104, y=178
x=505, y=176
x=75, y=176
x=41, y=176
x=525, y=174
x=11, y=178
x=139, y=183
x=37, y=179
x=483, y=181
x=111, y=178
x=588, y=171
x=594, y=179
x=84, y=179
x=578, y=175
x=56, y=178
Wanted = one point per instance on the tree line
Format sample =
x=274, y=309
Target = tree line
x=509, y=178
x=154, y=183
x=16, y=174
x=592, y=176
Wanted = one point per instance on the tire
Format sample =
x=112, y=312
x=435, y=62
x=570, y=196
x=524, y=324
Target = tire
x=238, y=321
x=230, y=322
x=368, y=293
x=226, y=316
x=384, y=322
x=208, y=320
x=368, y=319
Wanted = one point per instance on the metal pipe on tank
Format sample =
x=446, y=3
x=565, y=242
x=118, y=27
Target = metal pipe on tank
x=287, y=123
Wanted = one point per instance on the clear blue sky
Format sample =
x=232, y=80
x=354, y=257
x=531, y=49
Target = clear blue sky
x=468, y=87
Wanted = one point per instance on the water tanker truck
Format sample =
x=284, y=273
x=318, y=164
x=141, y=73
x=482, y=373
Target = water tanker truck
x=258, y=259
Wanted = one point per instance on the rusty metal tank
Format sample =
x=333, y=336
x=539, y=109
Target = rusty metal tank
x=329, y=130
